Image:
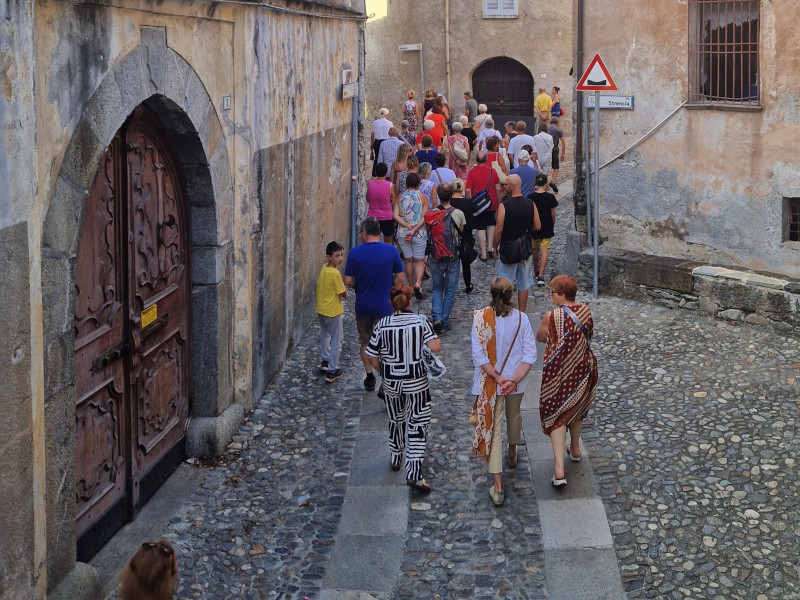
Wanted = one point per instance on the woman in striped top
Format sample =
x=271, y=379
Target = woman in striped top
x=396, y=349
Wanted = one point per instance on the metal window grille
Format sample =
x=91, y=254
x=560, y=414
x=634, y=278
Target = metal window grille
x=723, y=52
x=791, y=219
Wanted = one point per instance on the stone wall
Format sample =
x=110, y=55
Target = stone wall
x=708, y=185
x=249, y=97
x=762, y=299
x=540, y=37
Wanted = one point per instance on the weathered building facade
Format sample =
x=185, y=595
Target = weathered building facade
x=501, y=50
x=719, y=181
x=171, y=173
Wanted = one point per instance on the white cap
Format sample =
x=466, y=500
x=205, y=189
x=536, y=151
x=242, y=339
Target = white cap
x=523, y=155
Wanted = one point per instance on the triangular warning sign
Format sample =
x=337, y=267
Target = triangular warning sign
x=596, y=77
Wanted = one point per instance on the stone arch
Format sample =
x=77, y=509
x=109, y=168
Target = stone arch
x=155, y=75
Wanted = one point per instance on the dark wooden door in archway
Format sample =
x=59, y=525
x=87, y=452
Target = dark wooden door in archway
x=505, y=86
x=131, y=325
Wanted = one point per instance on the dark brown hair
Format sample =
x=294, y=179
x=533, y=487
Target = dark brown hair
x=151, y=573
x=400, y=296
x=566, y=285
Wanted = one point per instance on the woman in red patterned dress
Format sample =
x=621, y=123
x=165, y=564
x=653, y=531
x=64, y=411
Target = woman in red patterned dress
x=569, y=374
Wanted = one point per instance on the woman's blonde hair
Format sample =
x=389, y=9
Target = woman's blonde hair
x=151, y=573
x=458, y=186
x=424, y=170
x=502, y=291
x=412, y=162
x=402, y=153
x=410, y=94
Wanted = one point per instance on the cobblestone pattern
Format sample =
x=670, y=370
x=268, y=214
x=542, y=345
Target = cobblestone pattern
x=264, y=521
x=695, y=451
x=459, y=545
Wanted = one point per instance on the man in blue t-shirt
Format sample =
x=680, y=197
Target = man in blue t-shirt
x=372, y=270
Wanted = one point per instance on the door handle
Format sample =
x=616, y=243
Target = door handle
x=109, y=356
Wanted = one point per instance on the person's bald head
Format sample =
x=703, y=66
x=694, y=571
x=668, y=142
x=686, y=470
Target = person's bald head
x=541, y=89
x=393, y=132
x=513, y=185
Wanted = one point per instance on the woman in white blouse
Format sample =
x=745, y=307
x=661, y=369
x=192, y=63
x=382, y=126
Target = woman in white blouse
x=503, y=350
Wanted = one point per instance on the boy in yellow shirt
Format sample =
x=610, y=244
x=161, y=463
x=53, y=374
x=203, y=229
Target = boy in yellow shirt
x=330, y=293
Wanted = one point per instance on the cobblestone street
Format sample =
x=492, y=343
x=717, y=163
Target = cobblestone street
x=693, y=441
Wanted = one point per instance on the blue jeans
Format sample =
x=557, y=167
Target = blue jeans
x=444, y=275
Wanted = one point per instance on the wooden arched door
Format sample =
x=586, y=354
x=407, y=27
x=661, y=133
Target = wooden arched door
x=505, y=86
x=131, y=324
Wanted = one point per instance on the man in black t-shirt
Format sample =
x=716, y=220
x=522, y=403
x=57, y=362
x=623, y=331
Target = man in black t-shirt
x=517, y=218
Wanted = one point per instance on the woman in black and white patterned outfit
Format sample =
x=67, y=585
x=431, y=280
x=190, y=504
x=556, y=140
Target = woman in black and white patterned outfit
x=396, y=349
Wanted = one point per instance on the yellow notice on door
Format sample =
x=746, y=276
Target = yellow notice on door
x=149, y=315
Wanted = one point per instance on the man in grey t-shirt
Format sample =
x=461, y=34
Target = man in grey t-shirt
x=470, y=106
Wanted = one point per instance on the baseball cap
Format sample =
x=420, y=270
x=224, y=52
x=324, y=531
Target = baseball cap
x=523, y=155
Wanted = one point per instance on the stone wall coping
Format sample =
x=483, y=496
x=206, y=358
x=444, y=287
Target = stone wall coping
x=775, y=282
x=729, y=293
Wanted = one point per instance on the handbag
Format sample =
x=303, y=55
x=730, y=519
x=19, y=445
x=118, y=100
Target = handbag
x=482, y=201
x=516, y=251
x=433, y=365
x=459, y=151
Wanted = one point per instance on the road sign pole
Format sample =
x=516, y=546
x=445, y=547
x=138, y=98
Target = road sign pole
x=595, y=283
x=588, y=175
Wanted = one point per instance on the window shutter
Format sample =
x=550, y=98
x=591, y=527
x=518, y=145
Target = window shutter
x=509, y=7
x=492, y=7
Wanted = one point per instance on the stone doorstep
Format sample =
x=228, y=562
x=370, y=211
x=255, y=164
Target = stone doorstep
x=676, y=281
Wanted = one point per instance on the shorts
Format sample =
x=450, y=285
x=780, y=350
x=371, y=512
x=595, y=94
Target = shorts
x=545, y=243
x=365, y=325
x=388, y=227
x=555, y=158
x=413, y=249
x=485, y=219
x=520, y=272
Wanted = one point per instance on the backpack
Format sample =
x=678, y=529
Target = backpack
x=443, y=237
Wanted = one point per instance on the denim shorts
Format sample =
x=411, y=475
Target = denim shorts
x=518, y=272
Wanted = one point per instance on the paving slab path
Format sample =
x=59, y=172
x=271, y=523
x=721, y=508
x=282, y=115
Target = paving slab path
x=688, y=487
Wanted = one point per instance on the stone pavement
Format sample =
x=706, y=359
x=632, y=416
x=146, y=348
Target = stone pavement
x=689, y=454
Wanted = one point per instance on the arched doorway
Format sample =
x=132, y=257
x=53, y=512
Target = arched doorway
x=505, y=86
x=132, y=324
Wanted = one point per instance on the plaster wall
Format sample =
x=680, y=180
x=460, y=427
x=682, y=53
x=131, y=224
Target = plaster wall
x=91, y=65
x=708, y=185
x=540, y=37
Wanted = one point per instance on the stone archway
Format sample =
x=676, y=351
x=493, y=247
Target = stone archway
x=505, y=85
x=154, y=75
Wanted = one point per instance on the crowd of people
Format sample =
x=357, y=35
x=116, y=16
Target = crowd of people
x=445, y=192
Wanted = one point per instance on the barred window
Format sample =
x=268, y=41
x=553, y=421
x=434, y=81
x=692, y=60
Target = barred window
x=723, y=52
x=791, y=219
x=499, y=8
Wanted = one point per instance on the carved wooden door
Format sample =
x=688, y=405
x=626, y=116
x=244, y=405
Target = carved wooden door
x=132, y=331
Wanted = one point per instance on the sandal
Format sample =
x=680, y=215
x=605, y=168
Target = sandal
x=558, y=482
x=469, y=289
x=420, y=485
x=572, y=457
x=473, y=417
